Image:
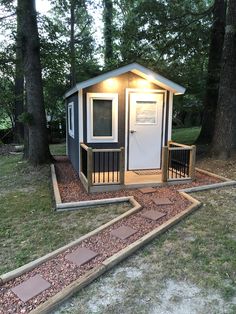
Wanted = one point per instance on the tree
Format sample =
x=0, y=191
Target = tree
x=38, y=139
x=108, y=31
x=225, y=125
x=72, y=43
x=19, y=87
x=171, y=37
x=213, y=75
x=73, y=24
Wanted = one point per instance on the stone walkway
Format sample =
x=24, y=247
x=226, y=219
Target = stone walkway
x=28, y=291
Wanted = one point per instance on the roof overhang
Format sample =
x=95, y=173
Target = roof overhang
x=134, y=68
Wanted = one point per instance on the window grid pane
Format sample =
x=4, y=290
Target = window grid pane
x=102, y=117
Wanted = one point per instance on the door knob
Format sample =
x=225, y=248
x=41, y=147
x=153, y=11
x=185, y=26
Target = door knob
x=132, y=131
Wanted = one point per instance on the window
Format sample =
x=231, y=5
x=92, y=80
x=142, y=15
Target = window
x=71, y=119
x=102, y=117
x=146, y=112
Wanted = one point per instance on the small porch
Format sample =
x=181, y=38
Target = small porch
x=103, y=170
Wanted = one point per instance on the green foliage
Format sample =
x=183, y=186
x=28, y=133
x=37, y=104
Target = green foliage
x=26, y=118
x=171, y=37
x=6, y=102
x=185, y=135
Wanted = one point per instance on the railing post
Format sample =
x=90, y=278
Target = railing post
x=192, y=161
x=89, y=167
x=80, y=158
x=164, y=166
x=122, y=165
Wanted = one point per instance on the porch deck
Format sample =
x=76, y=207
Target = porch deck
x=131, y=177
x=104, y=170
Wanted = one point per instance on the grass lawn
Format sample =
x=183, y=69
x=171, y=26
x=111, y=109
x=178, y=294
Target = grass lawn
x=185, y=135
x=29, y=228
x=58, y=149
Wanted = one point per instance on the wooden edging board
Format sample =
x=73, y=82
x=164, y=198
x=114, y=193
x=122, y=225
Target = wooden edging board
x=29, y=266
x=56, y=191
x=75, y=205
x=82, y=282
x=208, y=187
x=212, y=174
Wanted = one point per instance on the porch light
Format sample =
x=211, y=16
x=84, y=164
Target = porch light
x=111, y=83
x=142, y=83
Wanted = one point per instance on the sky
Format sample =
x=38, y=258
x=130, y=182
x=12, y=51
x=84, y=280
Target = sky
x=42, y=6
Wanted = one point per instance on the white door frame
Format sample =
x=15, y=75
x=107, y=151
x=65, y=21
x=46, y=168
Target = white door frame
x=127, y=110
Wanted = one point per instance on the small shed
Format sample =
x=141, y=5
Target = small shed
x=118, y=123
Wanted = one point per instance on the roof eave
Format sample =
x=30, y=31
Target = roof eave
x=135, y=68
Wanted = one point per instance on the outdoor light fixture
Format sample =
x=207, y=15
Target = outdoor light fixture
x=142, y=83
x=111, y=83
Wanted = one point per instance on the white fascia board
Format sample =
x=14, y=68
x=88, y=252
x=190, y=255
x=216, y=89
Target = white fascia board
x=159, y=80
x=135, y=68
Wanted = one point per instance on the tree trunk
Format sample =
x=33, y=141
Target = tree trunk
x=19, y=89
x=225, y=125
x=72, y=44
x=213, y=75
x=38, y=151
x=108, y=33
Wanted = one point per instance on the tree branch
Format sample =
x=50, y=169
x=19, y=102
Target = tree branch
x=7, y=16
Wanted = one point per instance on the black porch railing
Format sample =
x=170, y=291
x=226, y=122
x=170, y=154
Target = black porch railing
x=101, y=166
x=178, y=162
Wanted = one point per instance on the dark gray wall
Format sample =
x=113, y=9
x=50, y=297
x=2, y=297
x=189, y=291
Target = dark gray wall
x=73, y=143
x=127, y=80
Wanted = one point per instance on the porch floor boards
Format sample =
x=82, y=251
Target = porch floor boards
x=132, y=177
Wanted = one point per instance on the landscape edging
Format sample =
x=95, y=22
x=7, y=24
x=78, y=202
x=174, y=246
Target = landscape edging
x=80, y=283
x=29, y=266
x=119, y=256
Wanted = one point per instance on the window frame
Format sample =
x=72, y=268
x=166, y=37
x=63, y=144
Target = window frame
x=71, y=121
x=102, y=139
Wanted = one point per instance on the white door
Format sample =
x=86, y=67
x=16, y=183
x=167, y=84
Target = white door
x=145, y=130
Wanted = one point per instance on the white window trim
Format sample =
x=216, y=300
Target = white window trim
x=71, y=122
x=102, y=139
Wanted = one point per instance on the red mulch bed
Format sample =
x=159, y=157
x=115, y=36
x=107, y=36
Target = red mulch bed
x=61, y=272
x=72, y=190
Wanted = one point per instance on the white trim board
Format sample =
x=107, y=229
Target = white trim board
x=80, y=113
x=71, y=119
x=67, y=129
x=134, y=68
x=102, y=139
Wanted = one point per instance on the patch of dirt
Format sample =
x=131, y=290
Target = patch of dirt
x=171, y=297
x=184, y=298
x=225, y=168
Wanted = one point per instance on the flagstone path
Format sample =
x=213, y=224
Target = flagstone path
x=28, y=291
